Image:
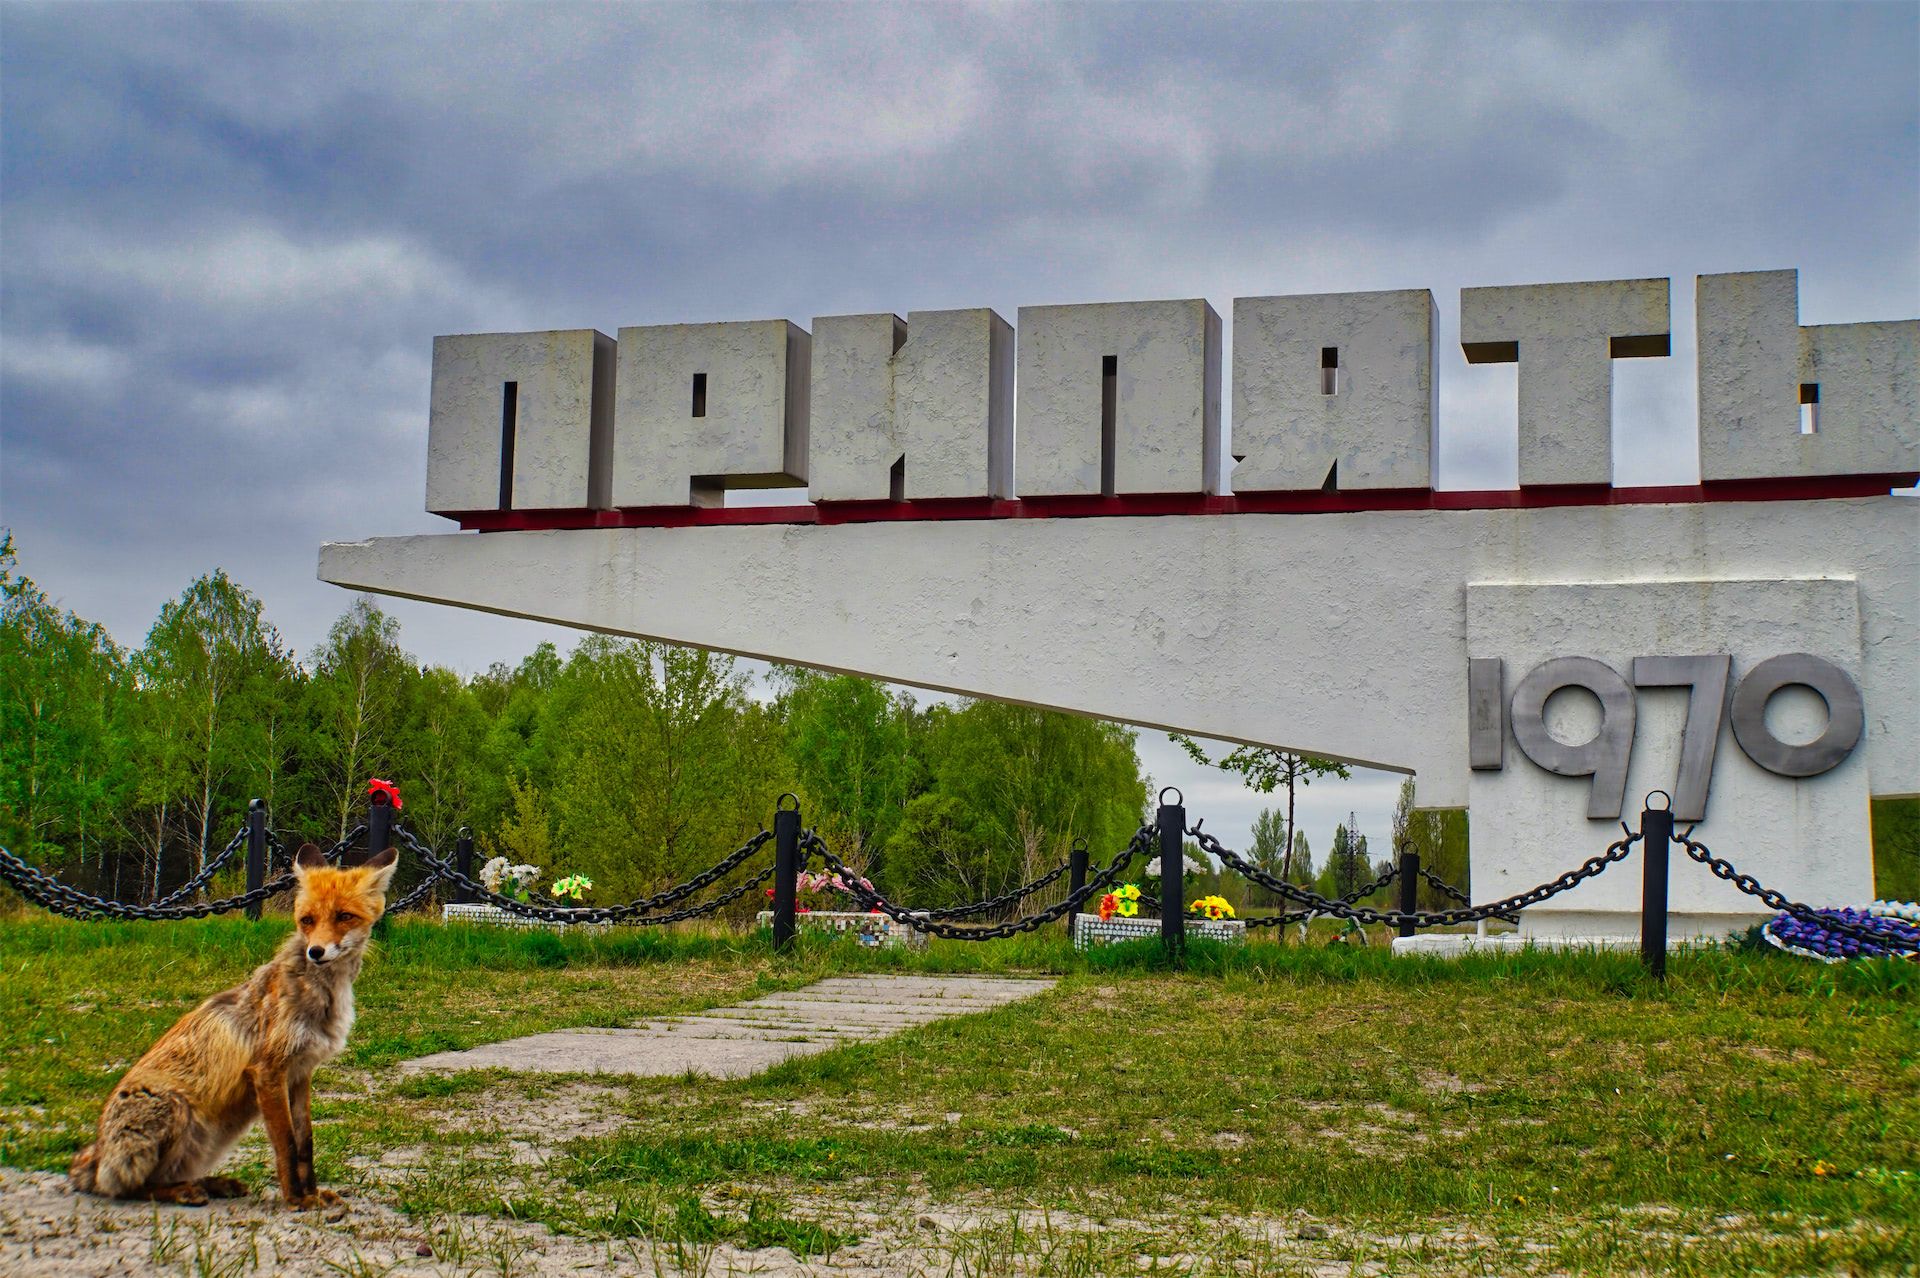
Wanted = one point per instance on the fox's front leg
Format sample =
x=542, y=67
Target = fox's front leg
x=276, y=1115
x=300, y=1103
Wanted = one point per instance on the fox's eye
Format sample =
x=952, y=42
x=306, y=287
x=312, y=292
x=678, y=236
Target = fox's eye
x=306, y=920
x=344, y=918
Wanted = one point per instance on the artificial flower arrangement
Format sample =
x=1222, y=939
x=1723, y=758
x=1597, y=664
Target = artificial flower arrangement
x=575, y=886
x=825, y=890
x=1123, y=900
x=508, y=880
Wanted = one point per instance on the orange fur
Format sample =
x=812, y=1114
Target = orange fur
x=248, y=1052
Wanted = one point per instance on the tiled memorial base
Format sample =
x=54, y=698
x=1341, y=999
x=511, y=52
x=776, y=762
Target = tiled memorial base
x=1455, y=944
x=733, y=1042
x=503, y=918
x=1091, y=929
x=875, y=930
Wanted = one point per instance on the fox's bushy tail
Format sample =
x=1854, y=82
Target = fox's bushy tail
x=137, y=1131
x=80, y=1172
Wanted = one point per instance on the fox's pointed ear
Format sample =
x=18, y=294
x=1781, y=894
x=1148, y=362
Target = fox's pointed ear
x=309, y=857
x=380, y=867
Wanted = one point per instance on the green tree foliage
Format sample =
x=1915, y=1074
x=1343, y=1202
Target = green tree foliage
x=211, y=672
x=1272, y=852
x=63, y=685
x=1439, y=837
x=1302, y=867
x=661, y=763
x=1347, y=865
x=1266, y=770
x=635, y=763
x=851, y=745
x=1896, y=849
x=1008, y=789
x=354, y=703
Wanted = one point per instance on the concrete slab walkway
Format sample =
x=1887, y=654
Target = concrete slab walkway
x=733, y=1042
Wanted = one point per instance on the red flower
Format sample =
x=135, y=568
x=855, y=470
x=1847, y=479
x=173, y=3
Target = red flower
x=376, y=786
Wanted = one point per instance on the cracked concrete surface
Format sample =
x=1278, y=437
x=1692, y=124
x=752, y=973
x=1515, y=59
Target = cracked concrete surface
x=734, y=1042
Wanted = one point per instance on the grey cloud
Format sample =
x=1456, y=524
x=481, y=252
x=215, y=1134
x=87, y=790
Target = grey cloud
x=231, y=231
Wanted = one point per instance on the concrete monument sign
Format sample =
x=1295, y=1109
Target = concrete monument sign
x=1541, y=656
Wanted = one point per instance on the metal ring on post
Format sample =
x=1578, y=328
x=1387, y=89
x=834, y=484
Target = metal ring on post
x=1666, y=807
x=779, y=804
x=1179, y=799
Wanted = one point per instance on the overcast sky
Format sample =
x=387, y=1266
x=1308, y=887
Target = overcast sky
x=229, y=234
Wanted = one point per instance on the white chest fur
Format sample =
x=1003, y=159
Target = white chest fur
x=319, y=1036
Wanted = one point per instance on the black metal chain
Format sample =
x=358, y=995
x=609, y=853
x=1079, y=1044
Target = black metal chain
x=1302, y=916
x=1445, y=888
x=207, y=871
x=1453, y=893
x=633, y=912
x=999, y=902
x=1725, y=869
x=421, y=891
x=63, y=898
x=1143, y=842
x=1615, y=853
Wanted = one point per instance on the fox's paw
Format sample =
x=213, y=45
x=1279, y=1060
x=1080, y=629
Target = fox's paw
x=225, y=1186
x=324, y=1200
x=187, y=1194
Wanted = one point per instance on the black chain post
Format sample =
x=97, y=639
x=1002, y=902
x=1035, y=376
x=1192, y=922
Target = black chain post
x=256, y=851
x=379, y=823
x=1409, y=887
x=1656, y=828
x=786, y=869
x=1076, y=878
x=463, y=862
x=1172, y=821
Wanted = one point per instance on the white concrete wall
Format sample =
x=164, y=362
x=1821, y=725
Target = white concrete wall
x=1167, y=411
x=563, y=420
x=754, y=431
x=1565, y=337
x=1338, y=634
x=1377, y=426
x=1754, y=357
x=1803, y=837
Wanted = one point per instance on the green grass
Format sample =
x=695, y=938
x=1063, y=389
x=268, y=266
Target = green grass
x=1559, y=1112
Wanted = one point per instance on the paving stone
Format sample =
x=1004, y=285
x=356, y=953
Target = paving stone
x=734, y=1042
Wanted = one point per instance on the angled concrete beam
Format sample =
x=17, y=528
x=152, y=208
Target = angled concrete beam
x=1051, y=612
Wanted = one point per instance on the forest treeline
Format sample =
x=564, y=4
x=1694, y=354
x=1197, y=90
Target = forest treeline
x=634, y=763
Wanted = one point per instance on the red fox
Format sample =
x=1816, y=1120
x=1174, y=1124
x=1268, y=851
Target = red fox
x=246, y=1052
